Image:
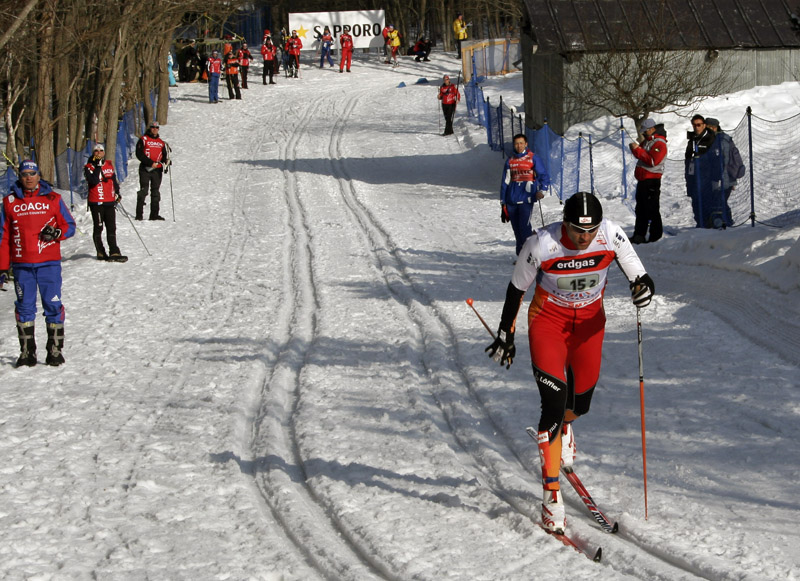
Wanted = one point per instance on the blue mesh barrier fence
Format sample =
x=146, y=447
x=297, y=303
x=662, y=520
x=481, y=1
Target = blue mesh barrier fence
x=704, y=191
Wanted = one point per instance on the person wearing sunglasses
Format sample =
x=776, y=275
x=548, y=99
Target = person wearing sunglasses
x=569, y=262
x=34, y=222
x=703, y=174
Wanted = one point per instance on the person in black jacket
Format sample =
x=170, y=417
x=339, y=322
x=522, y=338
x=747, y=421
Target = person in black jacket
x=703, y=176
x=151, y=151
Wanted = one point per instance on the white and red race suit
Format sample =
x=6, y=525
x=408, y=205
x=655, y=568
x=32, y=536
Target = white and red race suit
x=566, y=321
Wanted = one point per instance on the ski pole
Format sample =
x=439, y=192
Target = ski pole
x=641, y=405
x=172, y=196
x=469, y=302
x=124, y=211
x=167, y=168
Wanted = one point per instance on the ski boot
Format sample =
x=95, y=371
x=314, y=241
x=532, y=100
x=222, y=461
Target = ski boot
x=55, y=343
x=27, y=345
x=554, y=515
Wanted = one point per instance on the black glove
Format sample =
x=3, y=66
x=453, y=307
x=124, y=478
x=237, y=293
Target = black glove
x=503, y=350
x=504, y=214
x=642, y=290
x=3, y=277
x=49, y=233
x=97, y=161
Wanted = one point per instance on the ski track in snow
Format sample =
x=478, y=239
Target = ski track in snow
x=353, y=406
x=325, y=539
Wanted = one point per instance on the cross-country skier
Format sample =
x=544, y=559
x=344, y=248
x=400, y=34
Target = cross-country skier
x=569, y=263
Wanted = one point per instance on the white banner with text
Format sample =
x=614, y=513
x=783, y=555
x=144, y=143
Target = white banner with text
x=365, y=26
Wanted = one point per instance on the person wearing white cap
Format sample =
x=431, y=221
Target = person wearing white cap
x=651, y=155
x=568, y=261
x=103, y=197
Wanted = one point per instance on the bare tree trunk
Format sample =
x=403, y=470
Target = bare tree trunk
x=162, y=110
x=42, y=120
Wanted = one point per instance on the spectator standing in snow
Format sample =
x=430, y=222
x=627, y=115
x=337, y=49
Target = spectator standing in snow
x=293, y=46
x=651, y=155
x=33, y=223
x=422, y=50
x=232, y=75
x=325, y=47
x=524, y=183
x=459, y=32
x=346, y=44
x=214, y=67
x=103, y=197
x=449, y=95
x=244, y=57
x=151, y=151
x=568, y=261
x=733, y=167
x=270, y=53
x=703, y=175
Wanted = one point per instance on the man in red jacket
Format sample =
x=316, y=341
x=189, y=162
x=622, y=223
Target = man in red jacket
x=151, y=151
x=33, y=223
x=651, y=153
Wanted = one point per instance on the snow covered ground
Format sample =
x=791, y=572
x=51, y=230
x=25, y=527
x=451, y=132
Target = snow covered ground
x=290, y=386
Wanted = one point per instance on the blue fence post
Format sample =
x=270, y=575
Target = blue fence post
x=489, y=122
x=69, y=180
x=750, y=163
x=548, y=145
x=500, y=126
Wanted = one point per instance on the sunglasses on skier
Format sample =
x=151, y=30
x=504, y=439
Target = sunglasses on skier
x=581, y=229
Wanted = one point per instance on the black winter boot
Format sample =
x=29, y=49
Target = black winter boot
x=55, y=343
x=27, y=345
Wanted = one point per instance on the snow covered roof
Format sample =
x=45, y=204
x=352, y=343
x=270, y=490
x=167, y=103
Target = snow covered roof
x=564, y=26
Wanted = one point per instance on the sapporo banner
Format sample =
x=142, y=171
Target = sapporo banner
x=365, y=26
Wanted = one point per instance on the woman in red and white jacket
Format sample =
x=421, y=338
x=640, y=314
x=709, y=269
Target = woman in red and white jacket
x=103, y=197
x=449, y=96
x=270, y=53
x=244, y=63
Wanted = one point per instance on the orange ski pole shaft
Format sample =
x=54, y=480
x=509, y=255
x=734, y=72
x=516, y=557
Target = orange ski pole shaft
x=469, y=302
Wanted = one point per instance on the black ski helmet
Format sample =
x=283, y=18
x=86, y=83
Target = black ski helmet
x=583, y=210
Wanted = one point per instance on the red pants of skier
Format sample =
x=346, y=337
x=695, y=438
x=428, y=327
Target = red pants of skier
x=347, y=57
x=566, y=349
